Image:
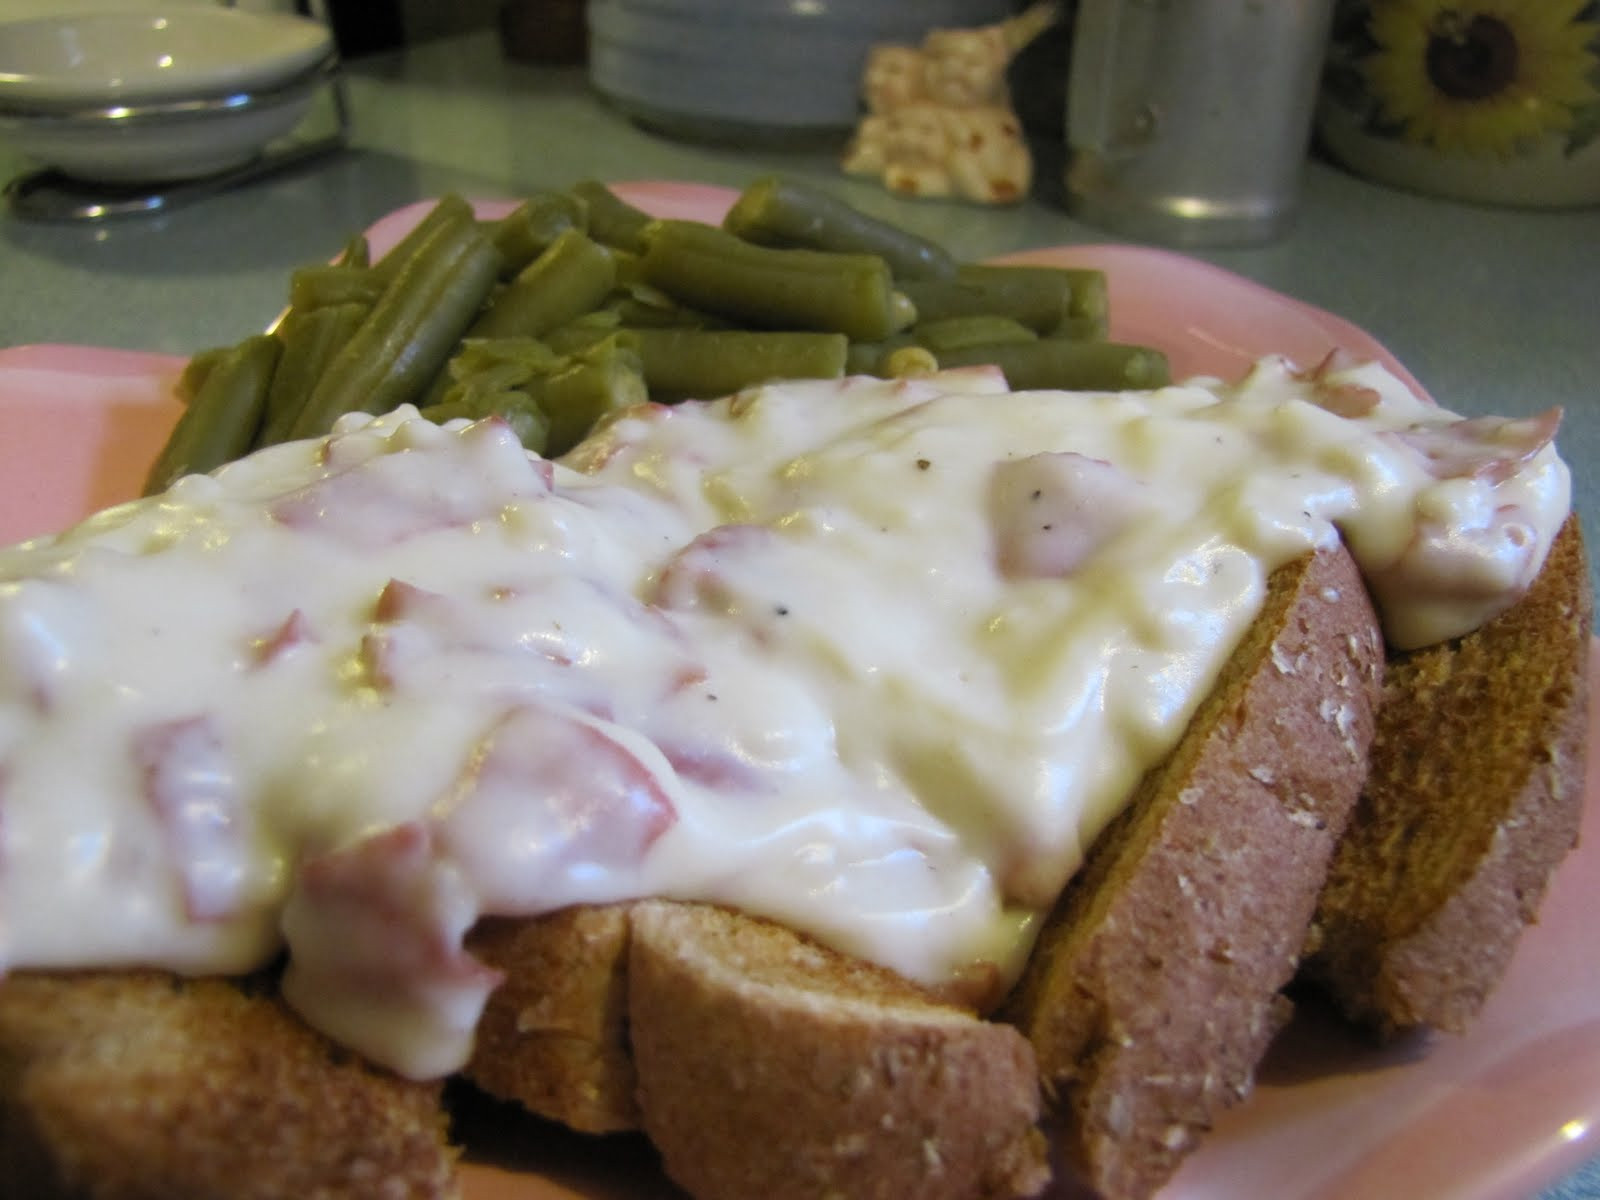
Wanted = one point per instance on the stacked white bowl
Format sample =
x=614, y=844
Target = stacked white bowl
x=754, y=70
x=135, y=96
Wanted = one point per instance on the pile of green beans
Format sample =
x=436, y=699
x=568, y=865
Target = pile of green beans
x=577, y=305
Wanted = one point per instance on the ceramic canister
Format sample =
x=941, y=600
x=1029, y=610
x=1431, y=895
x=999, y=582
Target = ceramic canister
x=1493, y=101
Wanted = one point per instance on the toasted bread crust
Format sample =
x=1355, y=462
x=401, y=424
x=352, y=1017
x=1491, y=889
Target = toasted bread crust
x=142, y=1086
x=1474, y=797
x=553, y=1036
x=771, y=1066
x=1154, y=989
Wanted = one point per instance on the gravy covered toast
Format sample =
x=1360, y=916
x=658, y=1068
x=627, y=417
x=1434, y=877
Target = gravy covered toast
x=579, y=912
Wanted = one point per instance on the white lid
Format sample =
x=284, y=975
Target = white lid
x=127, y=56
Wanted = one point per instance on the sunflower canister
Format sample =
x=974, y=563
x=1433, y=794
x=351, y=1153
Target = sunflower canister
x=1493, y=101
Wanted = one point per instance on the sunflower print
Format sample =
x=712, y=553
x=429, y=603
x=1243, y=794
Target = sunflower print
x=1486, y=78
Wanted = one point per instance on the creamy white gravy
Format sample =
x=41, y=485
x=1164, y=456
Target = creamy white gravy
x=877, y=659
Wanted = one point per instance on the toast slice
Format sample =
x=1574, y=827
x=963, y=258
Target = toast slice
x=1474, y=797
x=554, y=1035
x=771, y=1066
x=1155, y=986
x=144, y=1086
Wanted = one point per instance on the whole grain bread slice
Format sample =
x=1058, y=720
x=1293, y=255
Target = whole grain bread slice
x=144, y=1086
x=553, y=1036
x=1473, y=798
x=1155, y=985
x=770, y=1066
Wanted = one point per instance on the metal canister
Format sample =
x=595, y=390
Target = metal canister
x=1188, y=121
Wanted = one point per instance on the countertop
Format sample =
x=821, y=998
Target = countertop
x=1493, y=310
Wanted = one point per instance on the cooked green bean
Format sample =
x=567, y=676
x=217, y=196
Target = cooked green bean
x=448, y=210
x=1069, y=365
x=1045, y=299
x=612, y=220
x=783, y=212
x=193, y=376
x=1090, y=292
x=862, y=358
x=333, y=283
x=958, y=333
x=572, y=390
x=571, y=277
x=1082, y=329
x=709, y=268
x=311, y=338
x=600, y=380
x=524, y=233
x=357, y=252
x=498, y=364
x=220, y=423
x=518, y=409
x=411, y=331
x=577, y=303
x=707, y=363
x=638, y=304
x=588, y=329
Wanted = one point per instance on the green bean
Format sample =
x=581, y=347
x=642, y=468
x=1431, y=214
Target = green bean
x=783, y=212
x=1069, y=365
x=867, y=358
x=323, y=284
x=1082, y=329
x=311, y=338
x=518, y=409
x=862, y=358
x=603, y=379
x=193, y=376
x=612, y=220
x=709, y=268
x=638, y=304
x=220, y=423
x=572, y=390
x=958, y=333
x=357, y=252
x=1089, y=290
x=524, y=233
x=717, y=362
x=409, y=335
x=448, y=210
x=496, y=364
x=1042, y=298
x=569, y=279
x=588, y=329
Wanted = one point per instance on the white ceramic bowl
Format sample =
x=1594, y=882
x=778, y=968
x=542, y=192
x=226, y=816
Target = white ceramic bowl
x=128, y=56
x=742, y=69
x=151, y=96
x=161, y=144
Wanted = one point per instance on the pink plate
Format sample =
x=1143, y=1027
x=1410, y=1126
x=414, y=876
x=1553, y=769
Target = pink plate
x=1494, y=1115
